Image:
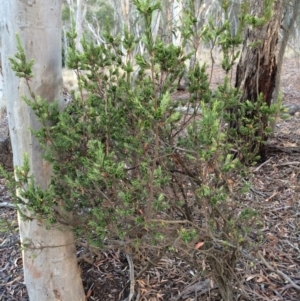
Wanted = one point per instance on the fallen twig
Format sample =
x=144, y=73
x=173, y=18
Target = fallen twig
x=131, y=275
x=201, y=286
x=258, y=192
x=7, y=205
x=288, y=163
x=271, y=196
x=287, y=278
x=11, y=282
x=261, y=165
x=9, y=245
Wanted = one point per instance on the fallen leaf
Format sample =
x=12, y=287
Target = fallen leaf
x=251, y=277
x=259, y=279
x=199, y=245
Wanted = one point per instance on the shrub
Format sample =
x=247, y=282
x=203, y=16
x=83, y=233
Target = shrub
x=134, y=166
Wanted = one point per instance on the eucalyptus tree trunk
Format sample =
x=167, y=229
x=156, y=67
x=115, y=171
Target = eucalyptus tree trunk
x=177, y=20
x=123, y=10
x=78, y=12
x=80, y=16
x=125, y=6
x=291, y=12
x=234, y=13
x=49, y=256
x=1, y=89
x=167, y=20
x=155, y=23
x=257, y=68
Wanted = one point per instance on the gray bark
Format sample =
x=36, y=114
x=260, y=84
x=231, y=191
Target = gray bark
x=49, y=256
x=289, y=20
x=80, y=16
x=1, y=89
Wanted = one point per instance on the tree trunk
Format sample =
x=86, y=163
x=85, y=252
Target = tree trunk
x=166, y=21
x=49, y=256
x=1, y=89
x=80, y=16
x=289, y=19
x=257, y=68
x=177, y=7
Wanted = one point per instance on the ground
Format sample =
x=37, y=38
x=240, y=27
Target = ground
x=272, y=269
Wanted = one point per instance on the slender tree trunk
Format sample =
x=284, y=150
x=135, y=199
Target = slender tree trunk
x=167, y=21
x=257, y=68
x=80, y=16
x=177, y=22
x=289, y=20
x=155, y=24
x=49, y=256
x=1, y=89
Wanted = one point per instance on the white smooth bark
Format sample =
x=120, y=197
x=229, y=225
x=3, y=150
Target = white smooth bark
x=1, y=90
x=125, y=5
x=155, y=24
x=166, y=20
x=49, y=256
x=177, y=10
x=80, y=15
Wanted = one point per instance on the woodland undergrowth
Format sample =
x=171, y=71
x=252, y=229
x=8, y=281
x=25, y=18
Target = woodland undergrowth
x=136, y=169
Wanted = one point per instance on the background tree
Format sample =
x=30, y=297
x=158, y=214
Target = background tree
x=290, y=13
x=90, y=18
x=257, y=70
x=49, y=258
x=1, y=88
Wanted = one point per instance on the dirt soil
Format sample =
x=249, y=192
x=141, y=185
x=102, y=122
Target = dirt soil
x=272, y=270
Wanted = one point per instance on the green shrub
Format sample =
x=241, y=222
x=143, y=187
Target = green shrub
x=136, y=167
